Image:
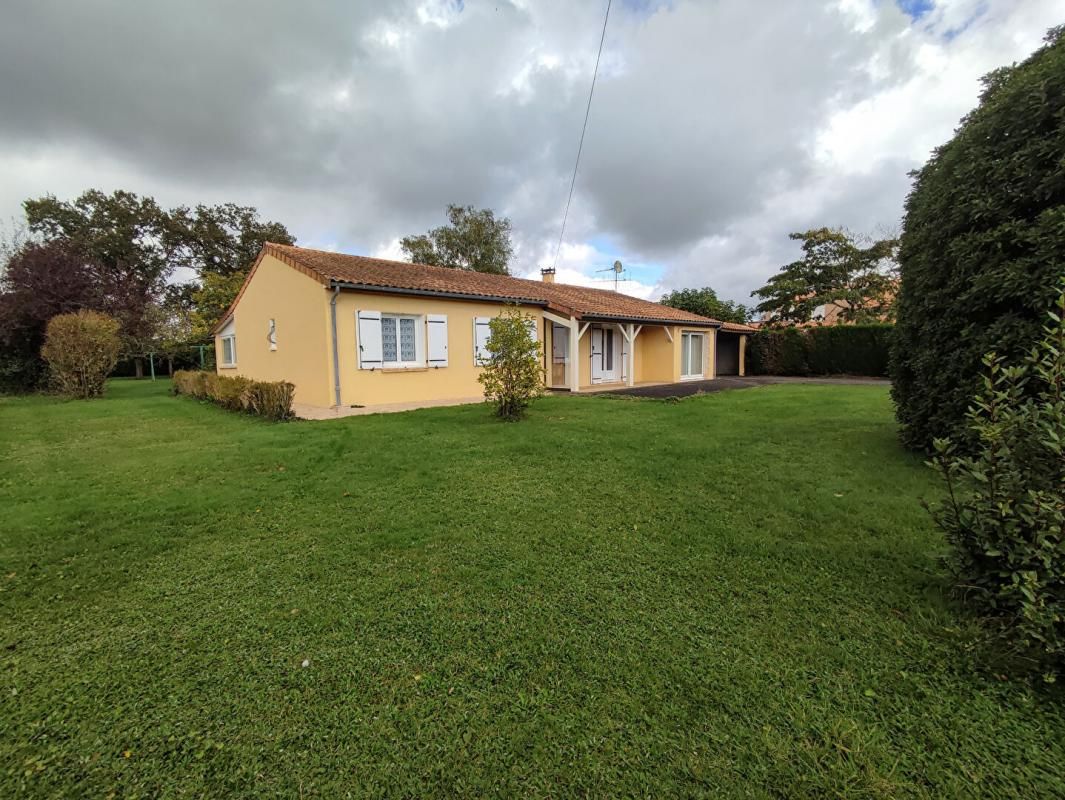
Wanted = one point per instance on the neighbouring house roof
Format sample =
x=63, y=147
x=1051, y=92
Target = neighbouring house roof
x=376, y=274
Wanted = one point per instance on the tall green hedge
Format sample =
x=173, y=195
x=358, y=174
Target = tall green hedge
x=983, y=245
x=826, y=350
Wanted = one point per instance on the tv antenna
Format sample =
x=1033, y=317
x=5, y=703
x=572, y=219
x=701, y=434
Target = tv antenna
x=618, y=271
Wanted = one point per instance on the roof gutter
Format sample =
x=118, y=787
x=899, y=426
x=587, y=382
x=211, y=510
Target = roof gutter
x=366, y=287
x=650, y=321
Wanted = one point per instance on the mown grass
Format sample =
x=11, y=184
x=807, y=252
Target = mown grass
x=734, y=595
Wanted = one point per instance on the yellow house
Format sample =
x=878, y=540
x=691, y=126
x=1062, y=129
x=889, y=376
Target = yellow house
x=354, y=331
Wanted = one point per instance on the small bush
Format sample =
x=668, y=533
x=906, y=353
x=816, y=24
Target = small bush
x=262, y=398
x=81, y=350
x=189, y=382
x=512, y=377
x=270, y=400
x=1005, y=513
x=824, y=350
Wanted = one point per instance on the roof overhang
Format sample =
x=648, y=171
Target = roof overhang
x=486, y=298
x=682, y=323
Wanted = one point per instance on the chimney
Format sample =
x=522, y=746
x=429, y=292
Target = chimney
x=548, y=274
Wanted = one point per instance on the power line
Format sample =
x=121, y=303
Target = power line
x=580, y=146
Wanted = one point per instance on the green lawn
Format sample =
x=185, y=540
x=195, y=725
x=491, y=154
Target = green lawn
x=733, y=595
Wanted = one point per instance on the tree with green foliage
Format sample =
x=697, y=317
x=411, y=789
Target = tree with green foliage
x=126, y=235
x=220, y=243
x=174, y=329
x=1005, y=512
x=223, y=239
x=81, y=350
x=983, y=244
x=706, y=303
x=211, y=299
x=138, y=245
x=837, y=269
x=512, y=376
x=473, y=240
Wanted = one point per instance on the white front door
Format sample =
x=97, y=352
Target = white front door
x=606, y=359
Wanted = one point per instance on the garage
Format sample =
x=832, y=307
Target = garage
x=727, y=358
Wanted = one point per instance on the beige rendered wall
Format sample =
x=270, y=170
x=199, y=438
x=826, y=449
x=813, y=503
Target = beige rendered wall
x=655, y=356
x=456, y=381
x=298, y=305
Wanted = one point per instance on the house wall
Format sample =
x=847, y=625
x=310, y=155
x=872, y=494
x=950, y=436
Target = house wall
x=298, y=304
x=655, y=355
x=456, y=381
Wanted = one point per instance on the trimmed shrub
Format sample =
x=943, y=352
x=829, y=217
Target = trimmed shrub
x=188, y=382
x=272, y=400
x=512, y=376
x=81, y=350
x=826, y=350
x=982, y=247
x=1005, y=512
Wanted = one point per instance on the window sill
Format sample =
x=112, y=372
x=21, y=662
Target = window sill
x=405, y=369
x=227, y=366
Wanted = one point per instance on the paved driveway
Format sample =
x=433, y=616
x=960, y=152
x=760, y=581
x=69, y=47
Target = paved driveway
x=688, y=388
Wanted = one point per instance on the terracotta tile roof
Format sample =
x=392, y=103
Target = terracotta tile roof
x=738, y=328
x=578, y=301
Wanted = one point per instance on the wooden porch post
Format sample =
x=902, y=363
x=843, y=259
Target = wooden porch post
x=573, y=358
x=631, y=336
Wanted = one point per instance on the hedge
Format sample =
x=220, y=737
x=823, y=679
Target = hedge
x=983, y=246
x=262, y=398
x=824, y=350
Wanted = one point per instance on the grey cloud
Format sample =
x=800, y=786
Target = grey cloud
x=355, y=123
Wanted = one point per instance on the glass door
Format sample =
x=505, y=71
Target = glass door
x=691, y=355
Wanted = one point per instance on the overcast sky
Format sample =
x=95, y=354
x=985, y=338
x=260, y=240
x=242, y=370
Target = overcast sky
x=717, y=126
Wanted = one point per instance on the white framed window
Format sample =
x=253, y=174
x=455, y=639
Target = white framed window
x=692, y=349
x=228, y=338
x=402, y=341
x=229, y=350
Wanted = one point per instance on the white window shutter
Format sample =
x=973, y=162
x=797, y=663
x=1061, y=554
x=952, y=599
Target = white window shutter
x=481, y=333
x=436, y=336
x=532, y=328
x=369, y=344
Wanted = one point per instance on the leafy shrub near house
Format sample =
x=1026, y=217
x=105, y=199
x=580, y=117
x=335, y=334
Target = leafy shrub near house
x=512, y=377
x=983, y=245
x=81, y=350
x=1005, y=512
x=826, y=350
x=272, y=400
